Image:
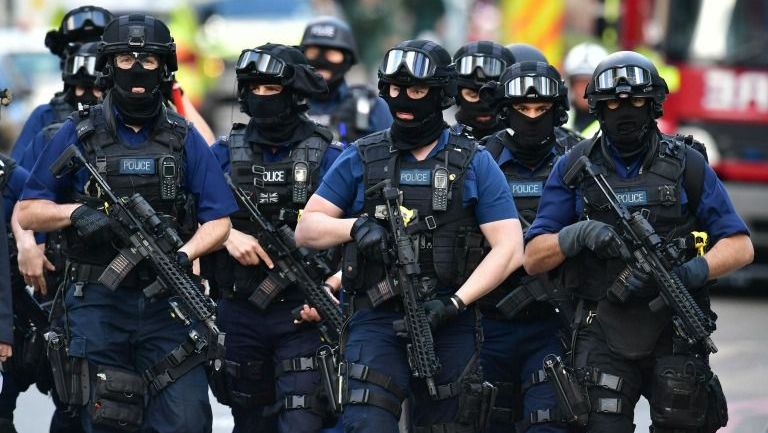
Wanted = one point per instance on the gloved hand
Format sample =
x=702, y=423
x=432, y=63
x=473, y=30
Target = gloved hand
x=182, y=259
x=632, y=284
x=597, y=236
x=371, y=237
x=94, y=227
x=693, y=274
x=441, y=310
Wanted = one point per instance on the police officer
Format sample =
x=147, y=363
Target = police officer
x=418, y=81
x=279, y=157
x=477, y=63
x=578, y=66
x=349, y=111
x=625, y=349
x=534, y=101
x=121, y=337
x=80, y=25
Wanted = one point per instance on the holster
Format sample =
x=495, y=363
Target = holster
x=70, y=374
x=118, y=400
x=329, y=374
x=572, y=398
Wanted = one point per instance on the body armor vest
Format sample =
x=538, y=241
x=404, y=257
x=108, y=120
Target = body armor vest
x=446, y=234
x=657, y=190
x=351, y=118
x=61, y=108
x=526, y=191
x=153, y=169
x=280, y=190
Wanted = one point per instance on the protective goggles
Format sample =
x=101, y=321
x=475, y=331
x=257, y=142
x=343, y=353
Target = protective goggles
x=522, y=87
x=75, y=63
x=261, y=62
x=633, y=75
x=418, y=64
x=491, y=66
x=84, y=19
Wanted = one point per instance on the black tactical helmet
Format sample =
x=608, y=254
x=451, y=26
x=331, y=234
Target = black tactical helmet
x=625, y=74
x=530, y=82
x=333, y=33
x=80, y=66
x=138, y=33
x=527, y=53
x=419, y=62
x=278, y=64
x=479, y=62
x=82, y=24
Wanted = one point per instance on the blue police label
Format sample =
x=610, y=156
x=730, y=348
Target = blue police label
x=526, y=189
x=416, y=176
x=272, y=177
x=632, y=198
x=137, y=166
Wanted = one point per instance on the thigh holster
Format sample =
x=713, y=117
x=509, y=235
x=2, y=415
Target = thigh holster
x=226, y=384
x=367, y=375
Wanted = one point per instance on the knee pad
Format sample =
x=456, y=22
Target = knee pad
x=234, y=384
x=680, y=395
x=118, y=400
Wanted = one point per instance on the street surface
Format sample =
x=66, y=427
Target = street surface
x=740, y=364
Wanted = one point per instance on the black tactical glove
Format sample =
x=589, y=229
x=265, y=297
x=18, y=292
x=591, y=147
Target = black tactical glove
x=371, y=238
x=93, y=227
x=593, y=235
x=182, y=259
x=693, y=274
x=441, y=310
x=632, y=284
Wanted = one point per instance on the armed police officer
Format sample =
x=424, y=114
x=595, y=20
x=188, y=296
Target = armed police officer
x=120, y=340
x=524, y=327
x=578, y=66
x=476, y=64
x=459, y=195
x=625, y=348
x=349, y=111
x=278, y=158
x=78, y=26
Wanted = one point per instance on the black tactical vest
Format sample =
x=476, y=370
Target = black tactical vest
x=280, y=189
x=153, y=169
x=351, y=119
x=449, y=241
x=656, y=190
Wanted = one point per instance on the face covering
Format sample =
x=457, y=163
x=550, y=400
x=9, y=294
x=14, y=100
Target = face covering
x=533, y=137
x=137, y=108
x=469, y=112
x=274, y=119
x=626, y=127
x=427, y=123
x=337, y=71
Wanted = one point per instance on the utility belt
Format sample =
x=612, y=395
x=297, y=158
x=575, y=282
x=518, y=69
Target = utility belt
x=385, y=296
x=137, y=279
x=272, y=289
x=533, y=312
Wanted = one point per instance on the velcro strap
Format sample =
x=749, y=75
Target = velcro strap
x=536, y=378
x=539, y=416
x=299, y=401
x=364, y=373
x=613, y=406
x=593, y=376
x=372, y=398
x=448, y=390
x=295, y=364
x=430, y=223
x=179, y=362
x=449, y=427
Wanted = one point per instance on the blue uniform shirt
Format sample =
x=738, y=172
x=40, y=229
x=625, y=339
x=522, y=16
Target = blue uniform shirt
x=202, y=176
x=379, y=118
x=484, y=184
x=33, y=151
x=561, y=206
x=41, y=117
x=221, y=150
x=523, y=170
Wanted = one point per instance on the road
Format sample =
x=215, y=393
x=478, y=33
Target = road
x=740, y=363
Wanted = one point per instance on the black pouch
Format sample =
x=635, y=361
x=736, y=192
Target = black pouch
x=118, y=400
x=717, y=409
x=477, y=397
x=469, y=251
x=679, y=392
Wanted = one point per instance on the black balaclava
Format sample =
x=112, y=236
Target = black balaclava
x=627, y=126
x=338, y=70
x=469, y=112
x=533, y=137
x=275, y=120
x=427, y=123
x=137, y=108
x=88, y=98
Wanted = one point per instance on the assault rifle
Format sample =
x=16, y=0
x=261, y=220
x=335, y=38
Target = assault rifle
x=147, y=236
x=421, y=348
x=654, y=257
x=301, y=266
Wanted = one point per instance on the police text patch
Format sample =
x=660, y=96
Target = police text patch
x=526, y=189
x=416, y=176
x=137, y=166
x=274, y=177
x=632, y=198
